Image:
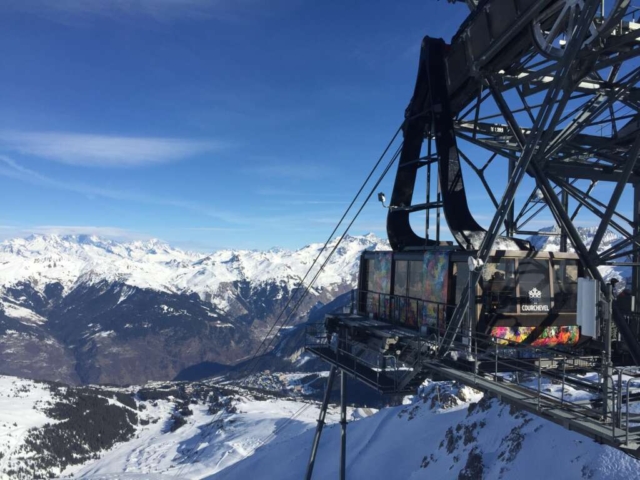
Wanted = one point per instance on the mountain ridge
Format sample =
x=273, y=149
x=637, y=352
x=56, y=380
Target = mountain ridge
x=84, y=309
x=155, y=264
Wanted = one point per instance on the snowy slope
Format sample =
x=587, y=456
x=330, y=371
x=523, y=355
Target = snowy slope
x=444, y=432
x=20, y=410
x=176, y=430
x=447, y=433
x=207, y=443
x=45, y=426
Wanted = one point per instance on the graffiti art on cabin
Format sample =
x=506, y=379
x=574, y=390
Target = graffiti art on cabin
x=435, y=268
x=378, y=305
x=405, y=311
x=381, y=281
x=373, y=299
x=549, y=336
x=412, y=313
x=379, y=286
x=400, y=309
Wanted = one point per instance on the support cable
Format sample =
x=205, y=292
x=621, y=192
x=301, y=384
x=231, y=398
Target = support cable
x=335, y=247
x=288, y=319
x=251, y=364
x=326, y=244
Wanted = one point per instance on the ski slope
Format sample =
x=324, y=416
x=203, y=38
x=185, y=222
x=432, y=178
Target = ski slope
x=446, y=433
x=207, y=444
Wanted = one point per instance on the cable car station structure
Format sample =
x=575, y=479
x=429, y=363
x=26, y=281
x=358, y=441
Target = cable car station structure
x=540, y=101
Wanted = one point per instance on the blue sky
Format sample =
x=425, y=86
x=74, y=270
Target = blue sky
x=206, y=123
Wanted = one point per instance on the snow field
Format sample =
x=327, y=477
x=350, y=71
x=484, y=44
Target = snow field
x=20, y=410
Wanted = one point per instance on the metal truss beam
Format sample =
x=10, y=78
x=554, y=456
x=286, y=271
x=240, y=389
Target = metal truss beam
x=549, y=114
x=615, y=197
x=564, y=220
x=584, y=199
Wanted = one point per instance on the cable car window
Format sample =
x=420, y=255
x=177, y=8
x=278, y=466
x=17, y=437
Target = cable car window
x=535, y=292
x=400, y=282
x=370, y=275
x=371, y=299
x=499, y=286
x=379, y=273
x=416, y=285
x=460, y=278
x=565, y=285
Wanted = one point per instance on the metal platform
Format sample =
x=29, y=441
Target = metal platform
x=577, y=392
x=375, y=363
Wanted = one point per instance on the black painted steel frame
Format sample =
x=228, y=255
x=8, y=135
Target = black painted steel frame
x=558, y=150
x=321, y=422
x=538, y=147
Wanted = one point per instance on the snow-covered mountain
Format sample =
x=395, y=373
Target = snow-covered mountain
x=79, y=259
x=549, y=240
x=88, y=309
x=445, y=432
x=208, y=430
x=85, y=309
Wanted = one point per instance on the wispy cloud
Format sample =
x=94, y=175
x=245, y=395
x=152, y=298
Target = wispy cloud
x=217, y=229
x=103, y=150
x=289, y=170
x=159, y=10
x=278, y=192
x=10, y=168
x=230, y=221
x=114, y=233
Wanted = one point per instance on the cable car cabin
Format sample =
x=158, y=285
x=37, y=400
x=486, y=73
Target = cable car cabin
x=528, y=297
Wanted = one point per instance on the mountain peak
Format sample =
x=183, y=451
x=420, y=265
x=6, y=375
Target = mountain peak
x=44, y=259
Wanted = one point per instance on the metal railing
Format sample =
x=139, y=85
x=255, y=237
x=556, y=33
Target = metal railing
x=551, y=378
x=350, y=354
x=607, y=396
x=403, y=311
x=553, y=381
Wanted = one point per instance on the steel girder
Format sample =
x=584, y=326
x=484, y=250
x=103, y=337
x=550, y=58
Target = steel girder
x=543, y=119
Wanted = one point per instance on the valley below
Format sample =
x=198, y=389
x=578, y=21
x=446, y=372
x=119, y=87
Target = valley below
x=86, y=310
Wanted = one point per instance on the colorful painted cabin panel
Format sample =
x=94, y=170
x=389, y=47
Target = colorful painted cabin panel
x=517, y=292
x=540, y=337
